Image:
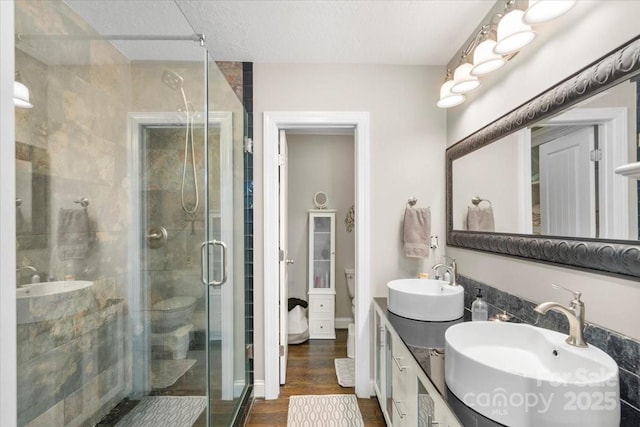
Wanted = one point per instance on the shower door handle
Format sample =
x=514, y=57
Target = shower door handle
x=203, y=256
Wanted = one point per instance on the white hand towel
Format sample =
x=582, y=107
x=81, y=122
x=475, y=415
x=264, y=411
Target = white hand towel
x=416, y=232
x=480, y=218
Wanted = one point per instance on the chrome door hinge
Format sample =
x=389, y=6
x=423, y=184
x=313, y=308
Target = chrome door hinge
x=280, y=160
x=281, y=350
x=249, y=351
x=595, y=155
x=281, y=255
x=248, y=145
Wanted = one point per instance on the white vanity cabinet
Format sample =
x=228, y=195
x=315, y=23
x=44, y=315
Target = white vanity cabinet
x=406, y=395
x=322, y=290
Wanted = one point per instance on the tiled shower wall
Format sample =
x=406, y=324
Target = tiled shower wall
x=247, y=70
x=73, y=369
x=624, y=350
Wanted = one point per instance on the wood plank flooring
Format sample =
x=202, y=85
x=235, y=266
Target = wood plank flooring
x=311, y=370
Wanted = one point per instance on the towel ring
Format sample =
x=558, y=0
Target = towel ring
x=412, y=201
x=476, y=200
x=84, y=202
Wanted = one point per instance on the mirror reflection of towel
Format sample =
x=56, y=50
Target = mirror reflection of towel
x=73, y=233
x=480, y=218
x=416, y=232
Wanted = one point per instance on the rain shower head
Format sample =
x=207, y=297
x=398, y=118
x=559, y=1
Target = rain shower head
x=172, y=79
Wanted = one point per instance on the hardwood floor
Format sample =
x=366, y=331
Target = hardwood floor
x=311, y=370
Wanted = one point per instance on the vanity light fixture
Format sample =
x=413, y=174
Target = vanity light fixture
x=21, y=94
x=496, y=43
x=513, y=33
x=485, y=60
x=540, y=11
x=463, y=80
x=449, y=99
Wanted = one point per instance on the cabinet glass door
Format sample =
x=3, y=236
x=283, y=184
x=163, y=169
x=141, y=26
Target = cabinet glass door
x=321, y=252
x=388, y=353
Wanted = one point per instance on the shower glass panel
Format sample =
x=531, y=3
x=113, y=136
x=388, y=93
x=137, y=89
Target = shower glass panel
x=130, y=159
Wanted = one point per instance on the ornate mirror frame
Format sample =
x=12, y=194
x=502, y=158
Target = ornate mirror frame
x=616, y=257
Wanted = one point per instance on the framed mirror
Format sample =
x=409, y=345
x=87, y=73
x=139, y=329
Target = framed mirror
x=540, y=182
x=320, y=200
x=32, y=196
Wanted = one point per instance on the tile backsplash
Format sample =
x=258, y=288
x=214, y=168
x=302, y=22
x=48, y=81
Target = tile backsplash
x=624, y=350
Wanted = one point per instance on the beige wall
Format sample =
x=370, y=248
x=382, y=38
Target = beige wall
x=477, y=175
x=407, y=134
x=589, y=31
x=320, y=163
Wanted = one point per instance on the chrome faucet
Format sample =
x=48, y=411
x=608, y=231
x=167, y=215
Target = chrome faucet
x=574, y=314
x=452, y=269
x=33, y=276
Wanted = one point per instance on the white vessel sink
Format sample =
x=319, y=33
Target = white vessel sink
x=425, y=299
x=52, y=300
x=521, y=375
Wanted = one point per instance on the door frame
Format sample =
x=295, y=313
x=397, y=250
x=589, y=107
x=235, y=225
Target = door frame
x=614, y=190
x=137, y=294
x=273, y=121
x=283, y=195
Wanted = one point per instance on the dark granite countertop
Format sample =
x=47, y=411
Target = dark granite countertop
x=425, y=341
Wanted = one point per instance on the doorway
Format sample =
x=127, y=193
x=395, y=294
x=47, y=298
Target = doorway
x=611, y=134
x=358, y=122
x=319, y=162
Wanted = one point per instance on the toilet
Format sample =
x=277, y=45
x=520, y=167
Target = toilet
x=350, y=274
x=171, y=323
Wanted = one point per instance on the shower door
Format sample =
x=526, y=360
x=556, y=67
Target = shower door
x=190, y=254
x=193, y=251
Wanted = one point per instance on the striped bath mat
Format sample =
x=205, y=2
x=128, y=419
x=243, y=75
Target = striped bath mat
x=346, y=372
x=165, y=411
x=332, y=410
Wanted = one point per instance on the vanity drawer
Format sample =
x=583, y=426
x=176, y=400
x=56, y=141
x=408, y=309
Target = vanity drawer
x=322, y=304
x=322, y=328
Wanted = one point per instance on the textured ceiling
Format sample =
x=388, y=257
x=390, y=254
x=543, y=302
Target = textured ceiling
x=294, y=31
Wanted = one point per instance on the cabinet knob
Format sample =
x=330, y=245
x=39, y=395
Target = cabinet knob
x=288, y=261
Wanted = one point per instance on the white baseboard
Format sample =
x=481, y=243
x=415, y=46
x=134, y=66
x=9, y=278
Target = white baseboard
x=343, y=322
x=238, y=386
x=258, y=388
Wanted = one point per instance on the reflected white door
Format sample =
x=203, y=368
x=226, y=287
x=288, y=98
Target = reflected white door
x=567, y=185
x=284, y=261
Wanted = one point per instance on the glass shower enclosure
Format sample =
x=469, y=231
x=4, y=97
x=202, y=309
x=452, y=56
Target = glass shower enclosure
x=129, y=224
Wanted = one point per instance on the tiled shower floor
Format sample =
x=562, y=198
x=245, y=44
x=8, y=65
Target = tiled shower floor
x=192, y=383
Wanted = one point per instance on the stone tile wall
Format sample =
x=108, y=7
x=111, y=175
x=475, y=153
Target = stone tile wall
x=70, y=369
x=73, y=369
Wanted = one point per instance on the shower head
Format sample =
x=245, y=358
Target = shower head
x=175, y=82
x=172, y=79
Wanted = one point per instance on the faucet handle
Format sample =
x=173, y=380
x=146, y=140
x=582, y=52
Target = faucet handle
x=576, y=294
x=449, y=258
